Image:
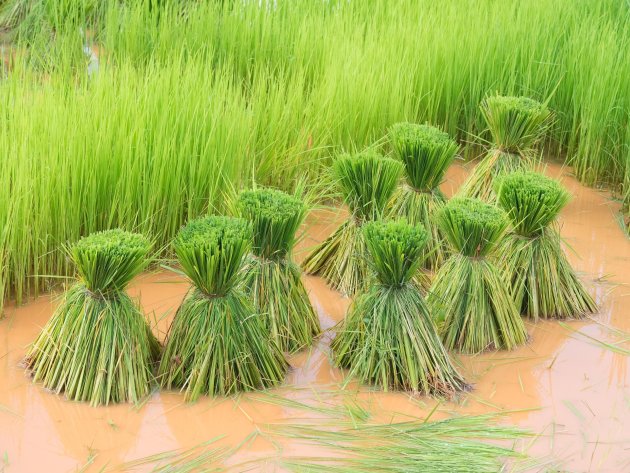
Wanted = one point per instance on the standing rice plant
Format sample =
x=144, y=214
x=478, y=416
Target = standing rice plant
x=388, y=337
x=516, y=125
x=273, y=279
x=541, y=280
x=427, y=152
x=468, y=295
x=217, y=343
x=97, y=347
x=367, y=181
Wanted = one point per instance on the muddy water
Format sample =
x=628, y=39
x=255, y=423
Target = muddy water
x=564, y=386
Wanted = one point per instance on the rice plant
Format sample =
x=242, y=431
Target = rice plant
x=97, y=347
x=273, y=279
x=217, y=343
x=366, y=181
x=516, y=125
x=542, y=282
x=468, y=295
x=388, y=337
x=427, y=152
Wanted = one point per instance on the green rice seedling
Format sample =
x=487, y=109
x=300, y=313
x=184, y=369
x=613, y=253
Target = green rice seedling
x=98, y=347
x=468, y=295
x=217, y=343
x=367, y=181
x=427, y=152
x=273, y=279
x=516, y=125
x=388, y=337
x=542, y=282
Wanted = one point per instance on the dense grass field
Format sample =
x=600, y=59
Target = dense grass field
x=194, y=98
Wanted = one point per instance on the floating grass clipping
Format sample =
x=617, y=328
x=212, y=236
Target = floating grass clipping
x=217, y=343
x=388, y=337
x=469, y=296
x=98, y=347
x=542, y=282
x=427, y=152
x=273, y=279
x=367, y=181
x=516, y=125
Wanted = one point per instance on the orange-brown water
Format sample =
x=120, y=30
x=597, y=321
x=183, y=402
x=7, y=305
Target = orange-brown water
x=562, y=385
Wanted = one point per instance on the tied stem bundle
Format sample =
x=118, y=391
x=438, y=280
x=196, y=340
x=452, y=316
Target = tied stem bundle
x=516, y=125
x=468, y=294
x=98, y=347
x=366, y=181
x=388, y=337
x=217, y=343
x=273, y=279
x=542, y=282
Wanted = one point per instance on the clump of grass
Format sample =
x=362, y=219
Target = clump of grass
x=97, y=347
x=217, y=343
x=468, y=293
x=273, y=279
x=516, y=125
x=367, y=181
x=542, y=282
x=427, y=152
x=388, y=338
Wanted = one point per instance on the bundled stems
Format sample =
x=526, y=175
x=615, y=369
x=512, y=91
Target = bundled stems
x=516, y=125
x=542, y=282
x=272, y=278
x=97, y=347
x=388, y=337
x=426, y=152
x=217, y=343
x=468, y=294
x=366, y=181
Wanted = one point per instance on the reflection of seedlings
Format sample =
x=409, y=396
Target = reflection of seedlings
x=616, y=347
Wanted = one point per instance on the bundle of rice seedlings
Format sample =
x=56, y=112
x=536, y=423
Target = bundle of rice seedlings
x=542, y=282
x=427, y=152
x=98, y=347
x=468, y=295
x=388, y=337
x=516, y=125
x=217, y=343
x=273, y=279
x=366, y=181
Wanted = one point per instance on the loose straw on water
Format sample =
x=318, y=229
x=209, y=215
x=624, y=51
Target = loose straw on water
x=468, y=295
x=217, y=343
x=388, y=337
x=98, y=347
x=542, y=282
x=273, y=279
x=366, y=181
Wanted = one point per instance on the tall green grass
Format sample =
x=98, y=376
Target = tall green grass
x=193, y=97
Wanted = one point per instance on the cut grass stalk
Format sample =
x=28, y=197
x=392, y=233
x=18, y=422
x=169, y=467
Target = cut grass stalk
x=542, y=282
x=367, y=181
x=217, y=343
x=516, y=125
x=426, y=152
x=388, y=337
x=98, y=347
x=468, y=295
x=273, y=279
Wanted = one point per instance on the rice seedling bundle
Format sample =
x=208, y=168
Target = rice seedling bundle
x=388, y=337
x=98, y=347
x=217, y=343
x=468, y=295
x=273, y=279
x=426, y=152
x=367, y=181
x=516, y=125
x=542, y=282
